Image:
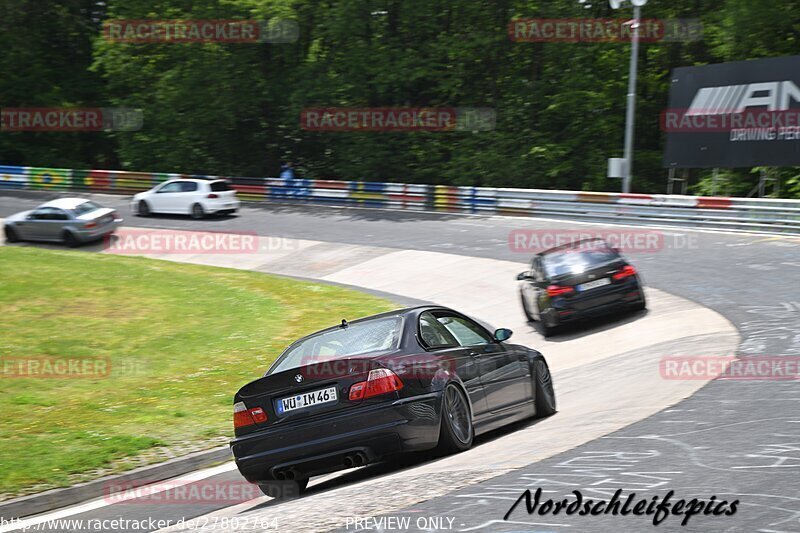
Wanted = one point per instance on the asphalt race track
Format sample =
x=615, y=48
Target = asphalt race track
x=730, y=439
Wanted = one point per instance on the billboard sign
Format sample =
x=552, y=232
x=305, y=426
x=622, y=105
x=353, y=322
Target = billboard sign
x=739, y=114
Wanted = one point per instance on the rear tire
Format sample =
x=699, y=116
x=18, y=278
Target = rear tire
x=197, y=212
x=11, y=235
x=641, y=305
x=545, y=330
x=455, y=431
x=545, y=394
x=284, y=490
x=142, y=209
x=69, y=239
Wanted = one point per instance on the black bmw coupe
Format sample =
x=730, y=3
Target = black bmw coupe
x=408, y=380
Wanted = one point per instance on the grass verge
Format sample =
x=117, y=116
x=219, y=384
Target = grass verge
x=178, y=340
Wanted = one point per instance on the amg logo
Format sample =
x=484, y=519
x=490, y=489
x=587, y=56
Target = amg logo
x=774, y=95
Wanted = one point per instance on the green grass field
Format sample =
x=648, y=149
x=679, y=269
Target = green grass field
x=181, y=339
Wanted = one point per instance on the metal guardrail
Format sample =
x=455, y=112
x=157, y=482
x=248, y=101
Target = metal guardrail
x=744, y=214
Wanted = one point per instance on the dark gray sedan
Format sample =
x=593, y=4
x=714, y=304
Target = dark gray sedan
x=69, y=220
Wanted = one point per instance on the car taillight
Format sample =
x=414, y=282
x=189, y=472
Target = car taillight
x=242, y=416
x=212, y=195
x=90, y=224
x=357, y=390
x=558, y=290
x=626, y=272
x=258, y=415
x=380, y=381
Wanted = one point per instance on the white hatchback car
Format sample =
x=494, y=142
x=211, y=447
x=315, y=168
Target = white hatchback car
x=195, y=197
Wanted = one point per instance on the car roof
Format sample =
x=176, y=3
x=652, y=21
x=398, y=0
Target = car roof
x=406, y=311
x=197, y=180
x=572, y=244
x=65, y=203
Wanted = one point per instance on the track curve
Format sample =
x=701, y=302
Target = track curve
x=606, y=377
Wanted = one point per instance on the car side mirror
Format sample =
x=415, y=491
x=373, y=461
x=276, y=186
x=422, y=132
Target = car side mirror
x=522, y=276
x=502, y=334
x=29, y=217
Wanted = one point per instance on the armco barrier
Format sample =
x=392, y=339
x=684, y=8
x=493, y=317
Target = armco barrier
x=744, y=214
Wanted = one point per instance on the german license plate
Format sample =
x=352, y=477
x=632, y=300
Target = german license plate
x=307, y=399
x=593, y=284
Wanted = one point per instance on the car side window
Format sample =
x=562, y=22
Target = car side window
x=48, y=213
x=59, y=214
x=170, y=187
x=188, y=186
x=466, y=332
x=433, y=334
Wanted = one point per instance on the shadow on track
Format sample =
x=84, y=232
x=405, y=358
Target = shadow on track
x=205, y=220
x=590, y=326
x=355, y=212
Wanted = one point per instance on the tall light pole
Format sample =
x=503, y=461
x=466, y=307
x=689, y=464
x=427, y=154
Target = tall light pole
x=632, y=72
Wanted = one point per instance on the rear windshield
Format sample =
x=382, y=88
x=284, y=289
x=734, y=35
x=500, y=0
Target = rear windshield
x=85, y=207
x=371, y=336
x=578, y=259
x=220, y=186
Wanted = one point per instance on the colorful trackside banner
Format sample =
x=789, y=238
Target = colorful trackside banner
x=739, y=114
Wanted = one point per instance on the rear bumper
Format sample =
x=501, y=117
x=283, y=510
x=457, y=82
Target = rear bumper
x=318, y=446
x=623, y=296
x=94, y=234
x=215, y=206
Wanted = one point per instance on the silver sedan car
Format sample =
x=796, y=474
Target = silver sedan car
x=69, y=220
